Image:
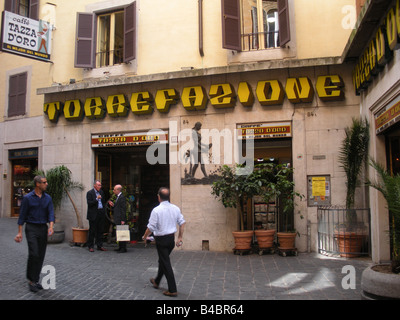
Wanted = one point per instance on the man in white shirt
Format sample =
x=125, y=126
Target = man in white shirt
x=162, y=223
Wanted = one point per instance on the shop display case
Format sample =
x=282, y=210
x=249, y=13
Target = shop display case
x=265, y=214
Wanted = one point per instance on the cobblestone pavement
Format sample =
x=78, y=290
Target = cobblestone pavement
x=200, y=275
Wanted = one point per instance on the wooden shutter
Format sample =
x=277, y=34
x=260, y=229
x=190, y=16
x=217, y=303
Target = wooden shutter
x=130, y=32
x=85, y=40
x=34, y=9
x=8, y=5
x=230, y=10
x=284, y=24
x=17, y=94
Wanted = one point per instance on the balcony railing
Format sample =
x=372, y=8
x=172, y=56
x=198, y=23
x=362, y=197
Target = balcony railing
x=260, y=40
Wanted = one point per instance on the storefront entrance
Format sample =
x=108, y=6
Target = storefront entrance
x=23, y=162
x=128, y=166
x=257, y=213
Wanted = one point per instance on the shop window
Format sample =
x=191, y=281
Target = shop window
x=255, y=24
x=17, y=94
x=26, y=8
x=106, y=39
x=24, y=162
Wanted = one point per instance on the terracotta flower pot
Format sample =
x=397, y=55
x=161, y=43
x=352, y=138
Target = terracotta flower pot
x=265, y=238
x=286, y=240
x=349, y=243
x=79, y=235
x=243, y=239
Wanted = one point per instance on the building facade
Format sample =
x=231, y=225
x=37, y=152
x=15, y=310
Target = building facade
x=132, y=85
x=374, y=46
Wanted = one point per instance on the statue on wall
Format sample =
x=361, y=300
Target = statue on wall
x=195, y=156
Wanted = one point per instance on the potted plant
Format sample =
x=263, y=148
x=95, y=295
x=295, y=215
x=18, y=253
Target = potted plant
x=287, y=195
x=265, y=174
x=383, y=281
x=60, y=184
x=353, y=155
x=232, y=188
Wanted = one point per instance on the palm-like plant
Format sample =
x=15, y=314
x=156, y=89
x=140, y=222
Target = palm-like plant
x=389, y=186
x=353, y=154
x=60, y=184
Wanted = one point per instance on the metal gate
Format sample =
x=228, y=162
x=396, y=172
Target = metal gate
x=343, y=232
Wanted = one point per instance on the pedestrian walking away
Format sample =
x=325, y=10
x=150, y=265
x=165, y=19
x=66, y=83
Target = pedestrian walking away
x=37, y=213
x=96, y=215
x=119, y=213
x=162, y=223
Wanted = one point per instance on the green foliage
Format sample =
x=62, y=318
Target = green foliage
x=389, y=186
x=267, y=180
x=353, y=154
x=60, y=184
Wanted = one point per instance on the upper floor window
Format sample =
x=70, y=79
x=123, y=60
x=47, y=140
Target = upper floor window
x=26, y=8
x=110, y=41
x=17, y=94
x=105, y=39
x=255, y=24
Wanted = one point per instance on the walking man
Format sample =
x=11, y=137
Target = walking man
x=119, y=213
x=36, y=212
x=162, y=223
x=96, y=215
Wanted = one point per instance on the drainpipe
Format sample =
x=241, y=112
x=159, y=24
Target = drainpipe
x=308, y=236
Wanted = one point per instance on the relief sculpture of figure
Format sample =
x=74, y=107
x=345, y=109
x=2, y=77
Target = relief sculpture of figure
x=198, y=149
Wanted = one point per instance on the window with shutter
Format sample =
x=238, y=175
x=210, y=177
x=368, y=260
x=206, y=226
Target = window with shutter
x=231, y=24
x=17, y=94
x=284, y=25
x=106, y=39
x=26, y=8
x=130, y=32
x=255, y=24
x=85, y=40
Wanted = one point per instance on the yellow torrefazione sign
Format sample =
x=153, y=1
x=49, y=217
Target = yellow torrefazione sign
x=268, y=92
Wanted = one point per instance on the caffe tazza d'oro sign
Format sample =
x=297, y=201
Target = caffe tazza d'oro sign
x=264, y=130
x=268, y=93
x=129, y=139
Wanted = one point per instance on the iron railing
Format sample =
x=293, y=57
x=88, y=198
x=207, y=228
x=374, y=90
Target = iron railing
x=343, y=232
x=260, y=40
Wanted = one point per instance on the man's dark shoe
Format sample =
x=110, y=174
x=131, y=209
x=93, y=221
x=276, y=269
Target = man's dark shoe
x=122, y=250
x=170, y=294
x=153, y=282
x=33, y=287
x=39, y=286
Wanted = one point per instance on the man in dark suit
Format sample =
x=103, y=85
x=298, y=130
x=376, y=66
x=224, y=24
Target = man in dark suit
x=96, y=215
x=119, y=213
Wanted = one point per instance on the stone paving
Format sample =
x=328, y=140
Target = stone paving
x=200, y=275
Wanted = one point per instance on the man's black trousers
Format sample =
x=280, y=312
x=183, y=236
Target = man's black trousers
x=165, y=245
x=96, y=228
x=36, y=236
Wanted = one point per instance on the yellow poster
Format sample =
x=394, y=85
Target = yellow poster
x=318, y=186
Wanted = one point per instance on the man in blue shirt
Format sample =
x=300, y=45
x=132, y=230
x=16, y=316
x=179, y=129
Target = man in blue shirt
x=162, y=223
x=36, y=212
